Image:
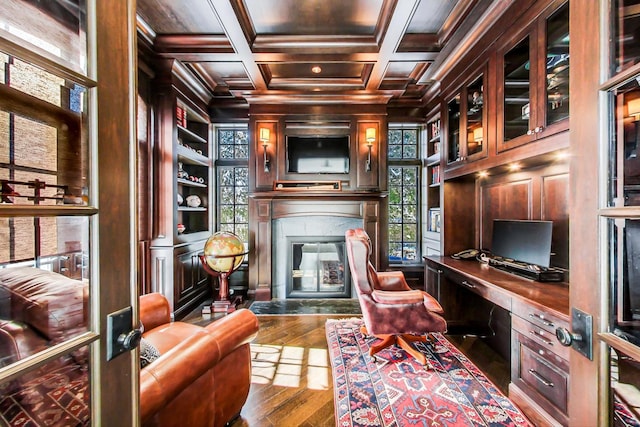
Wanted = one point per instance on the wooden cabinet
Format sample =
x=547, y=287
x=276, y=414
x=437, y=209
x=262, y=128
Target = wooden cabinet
x=467, y=123
x=533, y=80
x=539, y=364
x=179, y=275
x=517, y=318
x=183, y=195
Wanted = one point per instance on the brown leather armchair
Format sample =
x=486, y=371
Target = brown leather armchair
x=392, y=311
x=203, y=374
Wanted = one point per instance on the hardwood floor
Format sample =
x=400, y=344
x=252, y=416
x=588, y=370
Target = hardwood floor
x=292, y=382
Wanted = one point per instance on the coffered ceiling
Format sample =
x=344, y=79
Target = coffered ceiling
x=265, y=51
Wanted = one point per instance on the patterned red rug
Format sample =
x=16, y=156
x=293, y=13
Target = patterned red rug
x=398, y=391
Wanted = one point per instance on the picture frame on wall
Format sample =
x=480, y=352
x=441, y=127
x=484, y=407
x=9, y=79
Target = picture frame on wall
x=434, y=220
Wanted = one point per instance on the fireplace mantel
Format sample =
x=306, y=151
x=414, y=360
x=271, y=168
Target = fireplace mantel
x=265, y=207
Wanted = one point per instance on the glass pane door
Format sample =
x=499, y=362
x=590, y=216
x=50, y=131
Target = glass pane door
x=557, y=67
x=625, y=48
x=453, y=130
x=517, y=94
x=46, y=215
x=475, y=116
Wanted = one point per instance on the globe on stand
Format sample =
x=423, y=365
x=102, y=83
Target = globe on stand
x=222, y=255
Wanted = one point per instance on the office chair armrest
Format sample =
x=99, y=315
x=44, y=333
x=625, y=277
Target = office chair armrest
x=398, y=297
x=432, y=304
x=392, y=281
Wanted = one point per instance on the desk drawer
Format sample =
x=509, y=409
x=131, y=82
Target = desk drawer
x=489, y=293
x=549, y=380
x=538, y=316
x=545, y=338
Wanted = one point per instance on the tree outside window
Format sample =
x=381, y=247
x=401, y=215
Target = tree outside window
x=404, y=168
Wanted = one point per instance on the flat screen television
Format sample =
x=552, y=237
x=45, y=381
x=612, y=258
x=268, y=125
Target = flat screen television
x=527, y=241
x=318, y=154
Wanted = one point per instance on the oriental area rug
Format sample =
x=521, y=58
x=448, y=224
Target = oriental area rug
x=398, y=391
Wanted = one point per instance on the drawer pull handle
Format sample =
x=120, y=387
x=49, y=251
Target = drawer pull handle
x=468, y=285
x=542, y=319
x=539, y=336
x=540, y=378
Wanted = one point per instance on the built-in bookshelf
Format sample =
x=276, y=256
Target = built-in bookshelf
x=431, y=239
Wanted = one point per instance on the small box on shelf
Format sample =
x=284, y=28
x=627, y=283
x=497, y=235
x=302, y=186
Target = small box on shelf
x=435, y=129
x=434, y=220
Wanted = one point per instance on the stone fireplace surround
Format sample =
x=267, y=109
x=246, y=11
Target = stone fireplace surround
x=282, y=214
x=300, y=227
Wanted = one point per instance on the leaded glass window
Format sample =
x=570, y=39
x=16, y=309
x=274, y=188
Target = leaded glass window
x=233, y=181
x=404, y=195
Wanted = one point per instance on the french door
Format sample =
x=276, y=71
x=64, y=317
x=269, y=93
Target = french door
x=67, y=128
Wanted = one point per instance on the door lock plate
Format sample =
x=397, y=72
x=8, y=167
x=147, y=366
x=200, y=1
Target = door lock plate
x=119, y=326
x=582, y=325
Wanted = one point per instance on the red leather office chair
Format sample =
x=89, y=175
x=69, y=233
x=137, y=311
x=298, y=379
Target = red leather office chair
x=392, y=311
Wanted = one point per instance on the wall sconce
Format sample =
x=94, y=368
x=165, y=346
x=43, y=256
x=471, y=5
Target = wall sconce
x=633, y=109
x=370, y=137
x=477, y=135
x=264, y=137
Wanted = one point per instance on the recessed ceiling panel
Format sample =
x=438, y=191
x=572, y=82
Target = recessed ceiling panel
x=430, y=16
x=197, y=16
x=314, y=17
x=225, y=70
x=328, y=70
x=400, y=69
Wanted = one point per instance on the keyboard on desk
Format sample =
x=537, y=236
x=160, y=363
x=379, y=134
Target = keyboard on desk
x=530, y=271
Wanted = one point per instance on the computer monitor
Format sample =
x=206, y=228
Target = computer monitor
x=527, y=241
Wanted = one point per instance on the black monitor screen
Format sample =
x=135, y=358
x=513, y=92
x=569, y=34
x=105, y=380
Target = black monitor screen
x=318, y=154
x=524, y=241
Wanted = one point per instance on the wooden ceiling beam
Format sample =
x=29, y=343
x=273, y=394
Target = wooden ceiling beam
x=224, y=10
x=394, y=31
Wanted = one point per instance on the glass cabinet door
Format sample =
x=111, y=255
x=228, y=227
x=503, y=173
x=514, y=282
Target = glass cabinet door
x=517, y=109
x=453, y=130
x=475, y=117
x=557, y=66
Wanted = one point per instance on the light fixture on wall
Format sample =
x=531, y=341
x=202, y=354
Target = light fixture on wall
x=265, y=135
x=633, y=109
x=478, y=135
x=370, y=137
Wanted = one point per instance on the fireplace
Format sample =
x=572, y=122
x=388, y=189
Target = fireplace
x=317, y=267
x=287, y=223
x=308, y=253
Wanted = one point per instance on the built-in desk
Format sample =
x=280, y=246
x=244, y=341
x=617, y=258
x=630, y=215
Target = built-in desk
x=521, y=316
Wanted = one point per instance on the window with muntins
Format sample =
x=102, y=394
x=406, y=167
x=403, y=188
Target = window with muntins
x=404, y=168
x=232, y=175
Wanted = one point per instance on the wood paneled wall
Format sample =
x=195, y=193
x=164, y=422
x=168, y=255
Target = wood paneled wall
x=538, y=194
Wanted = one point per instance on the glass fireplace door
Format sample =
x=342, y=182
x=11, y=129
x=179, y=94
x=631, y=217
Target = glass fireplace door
x=318, y=268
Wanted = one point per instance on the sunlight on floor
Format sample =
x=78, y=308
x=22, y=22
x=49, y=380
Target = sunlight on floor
x=284, y=366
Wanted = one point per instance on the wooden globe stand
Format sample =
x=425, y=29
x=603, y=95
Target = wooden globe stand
x=223, y=304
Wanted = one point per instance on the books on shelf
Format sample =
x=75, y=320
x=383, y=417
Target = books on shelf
x=181, y=116
x=435, y=174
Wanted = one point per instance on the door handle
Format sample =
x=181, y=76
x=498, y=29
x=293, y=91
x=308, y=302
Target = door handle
x=121, y=335
x=580, y=339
